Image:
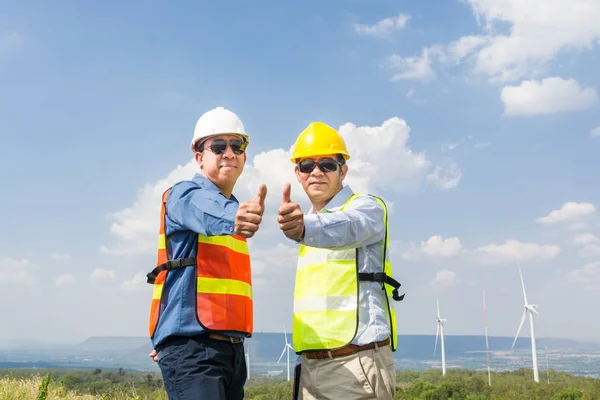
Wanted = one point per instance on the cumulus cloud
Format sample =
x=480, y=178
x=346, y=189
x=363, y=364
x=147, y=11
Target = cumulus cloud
x=438, y=248
x=569, y=211
x=412, y=68
x=589, y=244
x=588, y=276
x=379, y=155
x=100, y=274
x=65, y=279
x=533, y=37
x=434, y=247
x=384, y=27
x=548, y=96
x=15, y=271
x=445, y=278
x=516, y=41
x=514, y=250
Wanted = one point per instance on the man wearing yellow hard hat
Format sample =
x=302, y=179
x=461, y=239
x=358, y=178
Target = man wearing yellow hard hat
x=344, y=326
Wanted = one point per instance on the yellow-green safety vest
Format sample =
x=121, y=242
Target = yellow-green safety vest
x=326, y=294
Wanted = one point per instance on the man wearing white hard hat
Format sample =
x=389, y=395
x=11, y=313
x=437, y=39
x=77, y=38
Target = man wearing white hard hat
x=202, y=308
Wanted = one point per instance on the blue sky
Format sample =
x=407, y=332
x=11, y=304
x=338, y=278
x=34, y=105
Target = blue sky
x=98, y=104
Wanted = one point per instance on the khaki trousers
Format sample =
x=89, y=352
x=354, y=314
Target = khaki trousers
x=369, y=374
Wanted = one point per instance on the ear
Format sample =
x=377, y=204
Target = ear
x=199, y=159
x=343, y=171
x=245, y=156
x=297, y=174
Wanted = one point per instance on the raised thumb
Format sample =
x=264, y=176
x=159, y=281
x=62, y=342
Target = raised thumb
x=262, y=193
x=287, y=189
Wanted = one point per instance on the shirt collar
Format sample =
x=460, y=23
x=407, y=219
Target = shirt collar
x=207, y=184
x=336, y=201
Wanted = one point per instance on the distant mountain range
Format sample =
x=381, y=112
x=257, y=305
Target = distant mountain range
x=267, y=346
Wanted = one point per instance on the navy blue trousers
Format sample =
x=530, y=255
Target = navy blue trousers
x=198, y=368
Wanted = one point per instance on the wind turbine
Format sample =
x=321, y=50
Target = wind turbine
x=531, y=309
x=440, y=329
x=487, y=345
x=247, y=357
x=287, y=348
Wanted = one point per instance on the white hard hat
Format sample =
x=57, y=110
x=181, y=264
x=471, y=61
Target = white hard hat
x=218, y=121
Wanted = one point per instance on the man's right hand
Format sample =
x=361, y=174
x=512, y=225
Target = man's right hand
x=291, y=217
x=249, y=214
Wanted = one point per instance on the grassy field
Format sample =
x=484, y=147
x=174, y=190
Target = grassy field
x=430, y=385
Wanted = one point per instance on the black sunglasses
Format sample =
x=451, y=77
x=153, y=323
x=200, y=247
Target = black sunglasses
x=325, y=165
x=219, y=146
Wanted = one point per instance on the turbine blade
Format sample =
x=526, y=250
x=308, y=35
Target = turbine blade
x=520, y=326
x=282, y=353
x=436, y=339
x=438, y=307
x=522, y=284
x=285, y=335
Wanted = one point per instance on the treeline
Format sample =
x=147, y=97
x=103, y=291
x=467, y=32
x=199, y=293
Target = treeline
x=456, y=385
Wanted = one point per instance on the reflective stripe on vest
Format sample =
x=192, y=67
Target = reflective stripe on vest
x=326, y=295
x=223, y=287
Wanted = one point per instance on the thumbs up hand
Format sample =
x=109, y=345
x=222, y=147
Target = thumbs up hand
x=249, y=214
x=291, y=217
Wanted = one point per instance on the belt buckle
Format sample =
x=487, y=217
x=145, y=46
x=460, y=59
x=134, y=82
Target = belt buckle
x=235, y=340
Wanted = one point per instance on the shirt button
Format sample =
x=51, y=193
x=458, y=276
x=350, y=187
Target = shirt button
x=311, y=239
x=231, y=229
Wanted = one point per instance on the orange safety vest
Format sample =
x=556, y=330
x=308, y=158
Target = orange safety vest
x=224, y=284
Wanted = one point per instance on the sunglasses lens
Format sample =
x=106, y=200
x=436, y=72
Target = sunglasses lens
x=327, y=166
x=324, y=165
x=218, y=146
x=238, y=146
x=306, y=166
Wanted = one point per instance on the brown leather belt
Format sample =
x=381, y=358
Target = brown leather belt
x=344, y=351
x=218, y=336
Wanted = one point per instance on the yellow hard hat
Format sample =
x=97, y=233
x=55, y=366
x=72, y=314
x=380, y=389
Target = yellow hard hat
x=319, y=139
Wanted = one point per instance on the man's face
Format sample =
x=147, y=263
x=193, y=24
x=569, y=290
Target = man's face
x=320, y=186
x=222, y=168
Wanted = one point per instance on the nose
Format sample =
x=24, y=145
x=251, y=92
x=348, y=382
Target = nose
x=228, y=152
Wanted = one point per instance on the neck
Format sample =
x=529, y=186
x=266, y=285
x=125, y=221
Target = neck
x=318, y=205
x=224, y=187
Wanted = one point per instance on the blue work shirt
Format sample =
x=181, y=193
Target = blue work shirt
x=195, y=206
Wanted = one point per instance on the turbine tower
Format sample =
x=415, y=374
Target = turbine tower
x=487, y=345
x=287, y=348
x=531, y=309
x=247, y=357
x=440, y=330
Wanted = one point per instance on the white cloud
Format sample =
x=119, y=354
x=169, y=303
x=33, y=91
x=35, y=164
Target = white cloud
x=65, y=279
x=447, y=175
x=517, y=40
x=379, y=155
x=539, y=31
x=595, y=132
x=445, y=278
x=100, y=274
x=481, y=145
x=60, y=256
x=137, y=283
x=588, y=276
x=568, y=212
x=412, y=68
x=436, y=247
x=384, y=27
x=548, y=96
x=513, y=250
x=15, y=271
x=585, y=238
x=273, y=259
